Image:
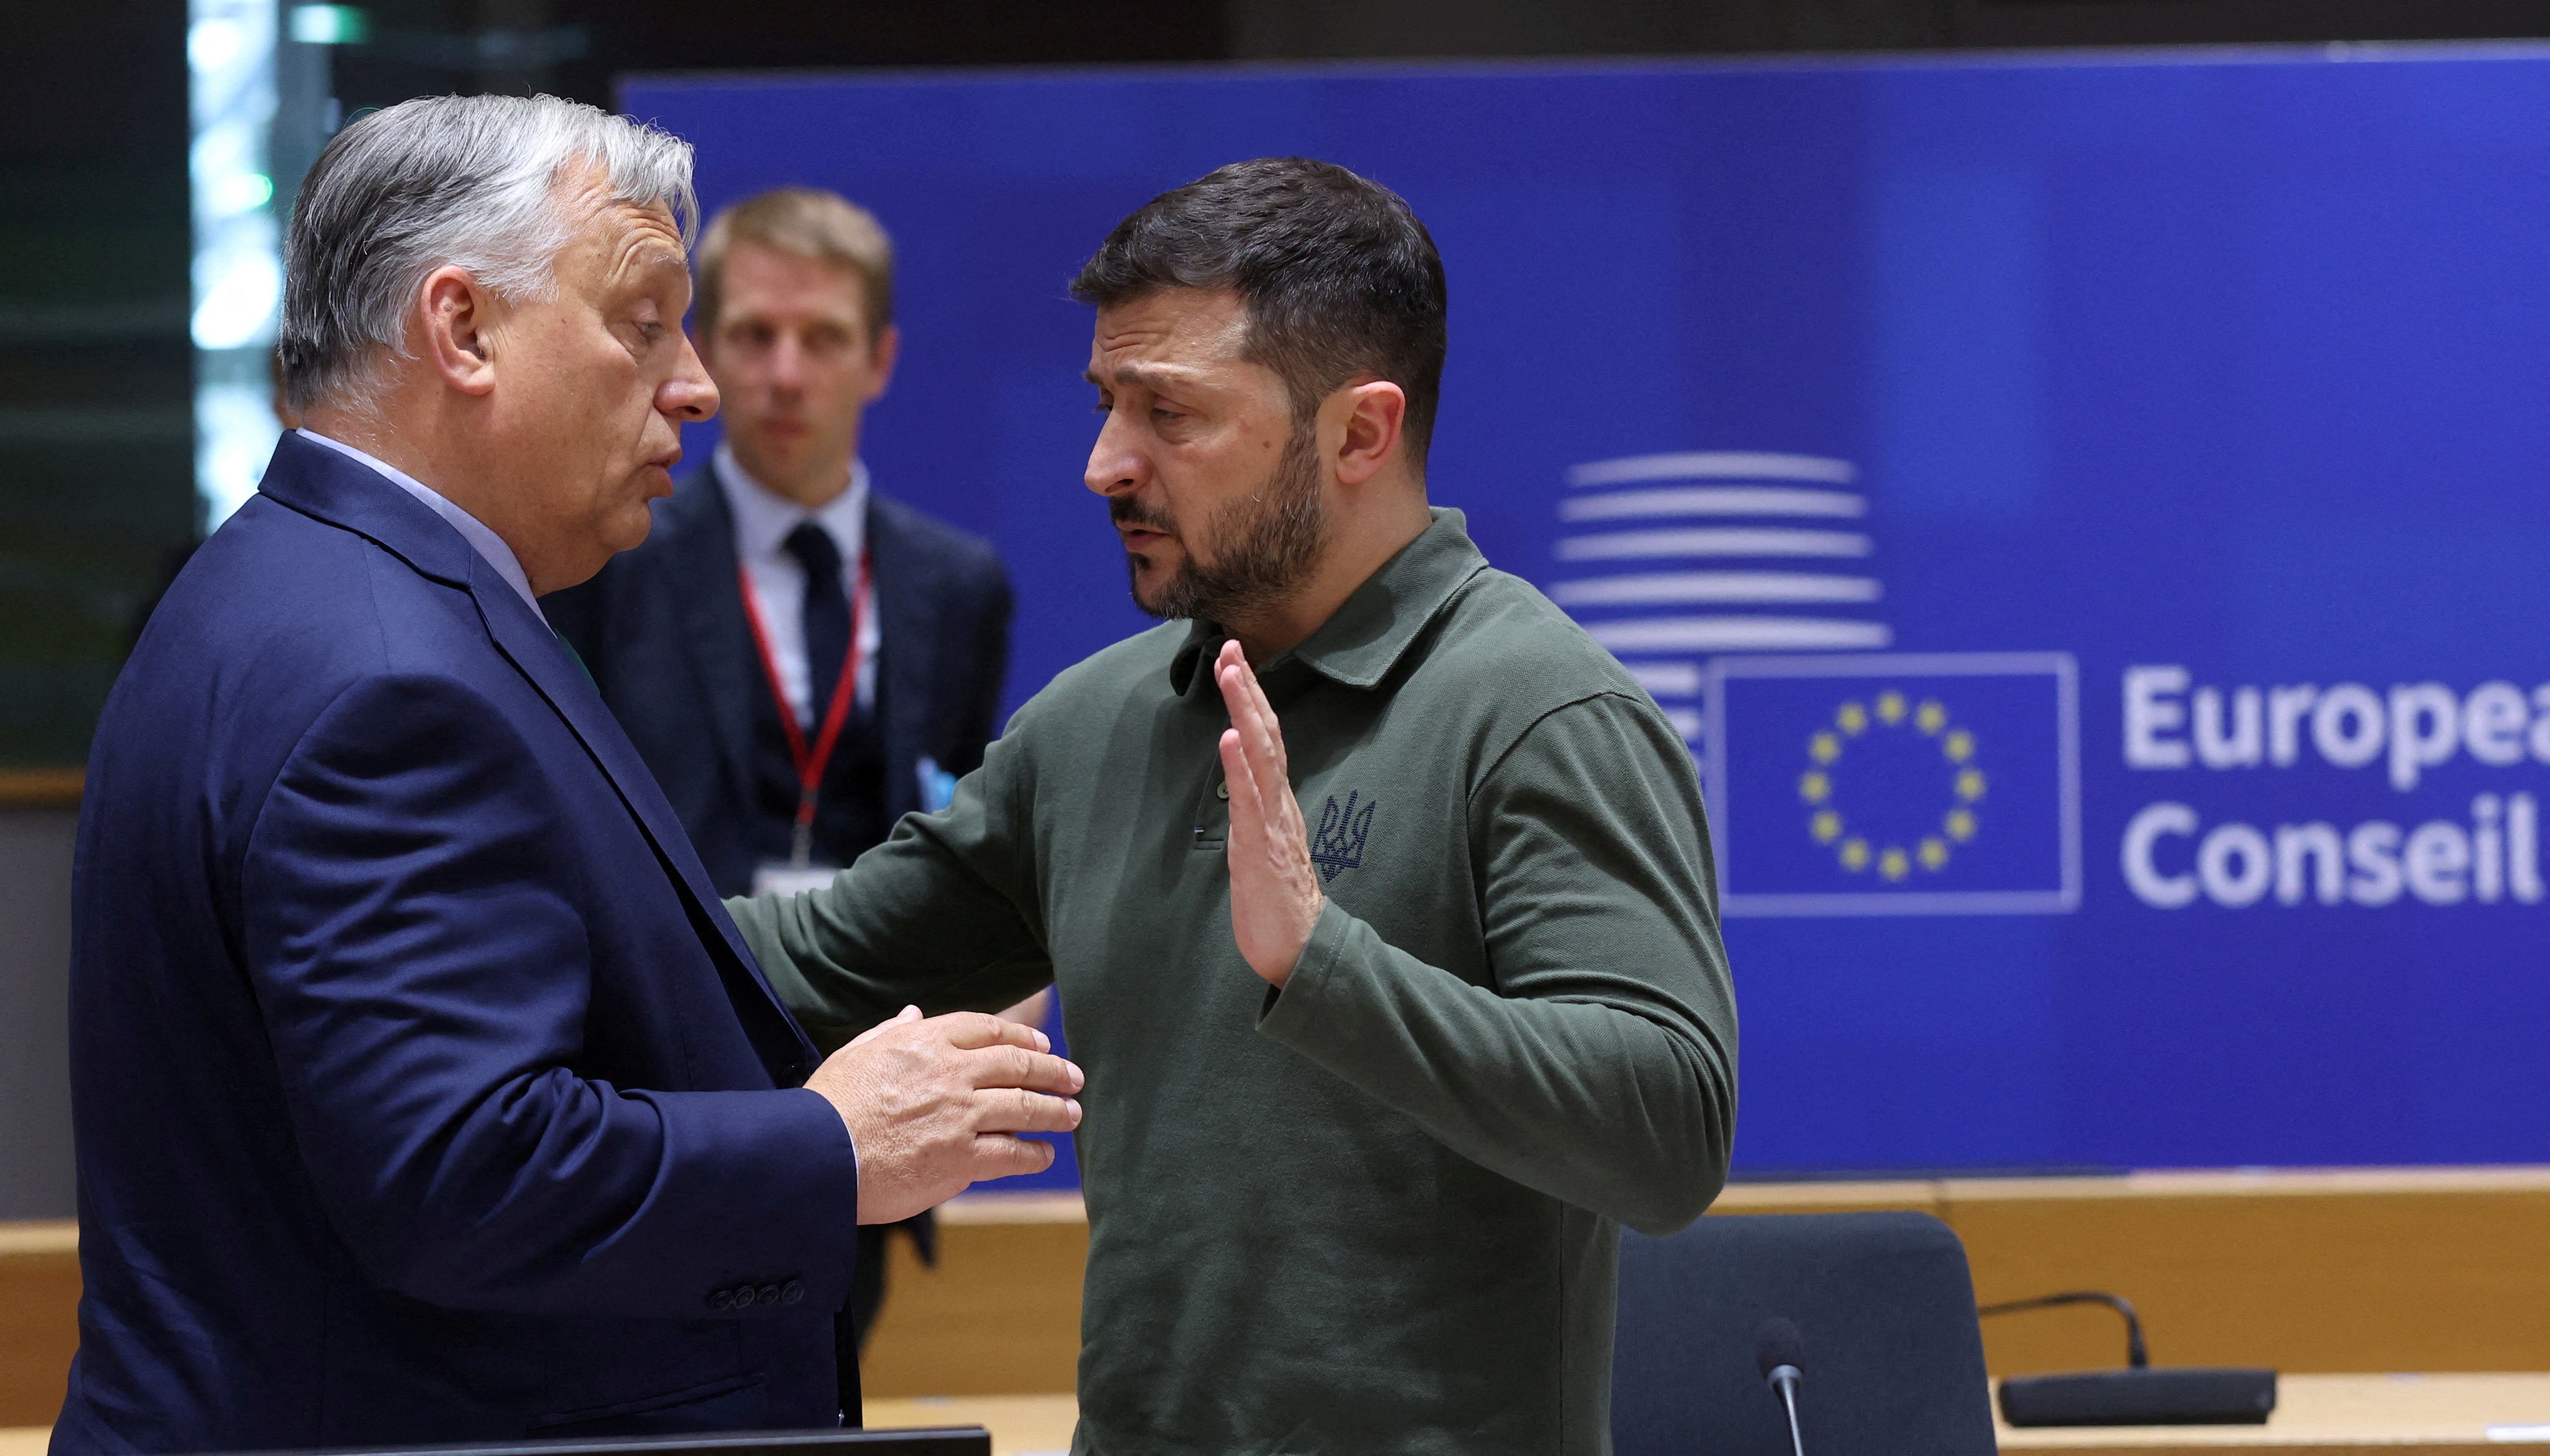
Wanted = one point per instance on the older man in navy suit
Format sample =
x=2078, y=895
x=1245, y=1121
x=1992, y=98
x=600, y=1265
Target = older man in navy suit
x=801, y=659
x=423, y=1090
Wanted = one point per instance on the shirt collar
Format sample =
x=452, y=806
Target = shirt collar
x=1364, y=640
x=472, y=529
x=763, y=517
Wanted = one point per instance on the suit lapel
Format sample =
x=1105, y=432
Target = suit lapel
x=714, y=636
x=906, y=638
x=321, y=483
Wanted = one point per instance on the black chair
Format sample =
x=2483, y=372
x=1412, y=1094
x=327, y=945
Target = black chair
x=1893, y=1359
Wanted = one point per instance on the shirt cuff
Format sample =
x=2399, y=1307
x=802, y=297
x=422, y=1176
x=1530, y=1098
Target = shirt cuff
x=1292, y=1012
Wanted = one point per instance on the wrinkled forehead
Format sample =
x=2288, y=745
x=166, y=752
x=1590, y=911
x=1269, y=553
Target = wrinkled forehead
x=629, y=239
x=1186, y=328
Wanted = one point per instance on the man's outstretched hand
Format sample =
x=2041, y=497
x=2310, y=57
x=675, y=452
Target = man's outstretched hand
x=934, y=1105
x=1275, y=898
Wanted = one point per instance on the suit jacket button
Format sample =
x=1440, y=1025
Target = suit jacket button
x=722, y=1299
x=744, y=1297
x=769, y=1294
x=794, y=1293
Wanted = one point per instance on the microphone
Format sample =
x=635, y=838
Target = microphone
x=2141, y=1393
x=1780, y=1353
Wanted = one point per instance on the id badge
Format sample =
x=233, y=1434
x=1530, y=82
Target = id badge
x=791, y=879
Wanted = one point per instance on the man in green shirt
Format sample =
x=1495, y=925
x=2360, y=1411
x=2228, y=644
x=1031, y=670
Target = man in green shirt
x=1367, y=1198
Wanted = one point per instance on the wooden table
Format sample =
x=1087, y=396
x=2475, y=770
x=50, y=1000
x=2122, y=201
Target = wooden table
x=2342, y=1416
x=2315, y=1416
x=1021, y=1426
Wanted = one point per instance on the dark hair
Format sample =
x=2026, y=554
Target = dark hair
x=1338, y=275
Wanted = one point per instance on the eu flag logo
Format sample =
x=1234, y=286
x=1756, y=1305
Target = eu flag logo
x=1896, y=784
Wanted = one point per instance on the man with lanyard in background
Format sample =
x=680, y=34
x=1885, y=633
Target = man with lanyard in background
x=800, y=660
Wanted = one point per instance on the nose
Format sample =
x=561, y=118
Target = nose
x=1115, y=465
x=787, y=361
x=689, y=396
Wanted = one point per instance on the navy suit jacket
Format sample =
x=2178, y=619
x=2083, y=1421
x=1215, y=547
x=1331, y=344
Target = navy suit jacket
x=423, y=1089
x=663, y=629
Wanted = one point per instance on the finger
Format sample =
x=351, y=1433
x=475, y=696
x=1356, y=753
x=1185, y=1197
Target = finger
x=1241, y=696
x=908, y=1014
x=1261, y=733
x=1272, y=816
x=1224, y=665
x=998, y=1155
x=1284, y=811
x=973, y=1031
x=1016, y=1066
x=1264, y=706
x=1247, y=809
x=1259, y=712
x=1230, y=676
x=1011, y=1109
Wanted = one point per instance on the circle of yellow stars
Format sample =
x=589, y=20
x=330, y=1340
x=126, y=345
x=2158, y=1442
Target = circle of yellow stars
x=1890, y=711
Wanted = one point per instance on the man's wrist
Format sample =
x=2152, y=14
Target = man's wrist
x=1277, y=977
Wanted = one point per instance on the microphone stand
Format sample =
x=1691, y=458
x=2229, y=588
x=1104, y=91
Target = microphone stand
x=1785, y=1381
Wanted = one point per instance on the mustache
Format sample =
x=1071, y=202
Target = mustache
x=1125, y=511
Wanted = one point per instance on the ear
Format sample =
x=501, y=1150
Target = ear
x=456, y=318
x=888, y=348
x=1375, y=413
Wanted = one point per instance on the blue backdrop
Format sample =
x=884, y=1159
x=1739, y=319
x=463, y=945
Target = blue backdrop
x=2088, y=515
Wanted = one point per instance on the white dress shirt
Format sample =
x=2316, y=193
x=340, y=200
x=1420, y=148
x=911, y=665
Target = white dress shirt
x=473, y=531
x=762, y=520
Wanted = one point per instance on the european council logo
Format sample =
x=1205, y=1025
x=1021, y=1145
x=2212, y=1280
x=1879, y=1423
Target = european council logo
x=1896, y=784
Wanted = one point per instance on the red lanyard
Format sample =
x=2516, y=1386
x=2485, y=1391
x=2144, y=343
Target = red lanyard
x=810, y=762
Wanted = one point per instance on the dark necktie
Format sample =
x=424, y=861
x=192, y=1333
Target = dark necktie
x=828, y=612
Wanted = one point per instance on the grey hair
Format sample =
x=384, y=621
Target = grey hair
x=468, y=181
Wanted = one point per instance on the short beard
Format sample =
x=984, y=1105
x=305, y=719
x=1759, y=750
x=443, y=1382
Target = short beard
x=1268, y=542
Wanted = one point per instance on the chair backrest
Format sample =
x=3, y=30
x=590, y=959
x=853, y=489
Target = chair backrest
x=1894, y=1357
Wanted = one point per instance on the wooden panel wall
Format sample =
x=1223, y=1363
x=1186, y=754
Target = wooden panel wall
x=2350, y=1271
x=39, y=1286
x=1000, y=1314
x=2336, y=1272
x=2333, y=1272
x=2355, y=1270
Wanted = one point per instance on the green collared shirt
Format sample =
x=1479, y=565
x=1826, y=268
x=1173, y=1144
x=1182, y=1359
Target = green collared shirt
x=1377, y=1210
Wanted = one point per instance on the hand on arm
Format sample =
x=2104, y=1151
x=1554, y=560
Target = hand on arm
x=935, y=1104
x=1275, y=899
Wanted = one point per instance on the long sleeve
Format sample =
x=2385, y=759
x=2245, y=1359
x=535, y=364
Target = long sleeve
x=416, y=940
x=1599, y=1067
x=943, y=916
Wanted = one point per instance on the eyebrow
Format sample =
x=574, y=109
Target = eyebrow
x=643, y=255
x=1155, y=379
x=658, y=255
